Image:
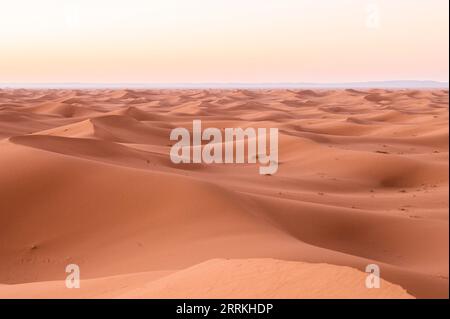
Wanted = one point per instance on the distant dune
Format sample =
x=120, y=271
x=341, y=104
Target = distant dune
x=86, y=178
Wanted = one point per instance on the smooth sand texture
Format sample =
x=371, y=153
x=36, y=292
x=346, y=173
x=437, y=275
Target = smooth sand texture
x=222, y=279
x=86, y=178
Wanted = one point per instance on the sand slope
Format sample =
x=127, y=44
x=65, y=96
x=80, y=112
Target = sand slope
x=222, y=279
x=86, y=178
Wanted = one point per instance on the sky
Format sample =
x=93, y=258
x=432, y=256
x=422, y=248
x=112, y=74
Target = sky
x=195, y=41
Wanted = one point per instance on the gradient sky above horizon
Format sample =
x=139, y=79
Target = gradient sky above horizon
x=179, y=41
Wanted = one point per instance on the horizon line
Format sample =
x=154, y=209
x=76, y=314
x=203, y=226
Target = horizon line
x=400, y=84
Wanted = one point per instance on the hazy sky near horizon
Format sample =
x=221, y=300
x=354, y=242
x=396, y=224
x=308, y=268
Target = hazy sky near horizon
x=174, y=41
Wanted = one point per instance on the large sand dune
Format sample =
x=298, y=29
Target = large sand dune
x=86, y=178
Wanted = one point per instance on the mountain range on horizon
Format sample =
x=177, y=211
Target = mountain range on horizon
x=367, y=84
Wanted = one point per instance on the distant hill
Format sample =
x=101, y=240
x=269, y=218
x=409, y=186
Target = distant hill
x=369, y=84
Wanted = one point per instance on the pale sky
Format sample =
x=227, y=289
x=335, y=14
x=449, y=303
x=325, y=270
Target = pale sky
x=175, y=41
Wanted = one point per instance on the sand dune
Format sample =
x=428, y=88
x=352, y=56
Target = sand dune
x=86, y=178
x=219, y=278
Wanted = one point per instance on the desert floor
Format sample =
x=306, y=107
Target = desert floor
x=86, y=178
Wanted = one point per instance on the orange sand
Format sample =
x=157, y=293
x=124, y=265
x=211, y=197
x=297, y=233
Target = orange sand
x=86, y=178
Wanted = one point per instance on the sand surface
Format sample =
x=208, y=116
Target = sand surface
x=86, y=178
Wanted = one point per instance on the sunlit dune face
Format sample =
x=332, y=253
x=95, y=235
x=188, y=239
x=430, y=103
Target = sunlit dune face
x=223, y=40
